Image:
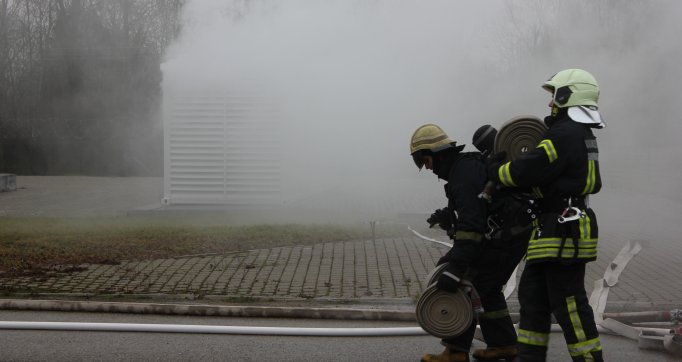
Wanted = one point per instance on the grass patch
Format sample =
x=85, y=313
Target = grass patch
x=30, y=246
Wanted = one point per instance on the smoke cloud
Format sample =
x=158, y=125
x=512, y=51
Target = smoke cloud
x=354, y=79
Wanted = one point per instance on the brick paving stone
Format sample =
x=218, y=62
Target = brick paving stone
x=325, y=268
x=232, y=274
x=278, y=260
x=336, y=273
x=224, y=267
x=348, y=274
x=291, y=257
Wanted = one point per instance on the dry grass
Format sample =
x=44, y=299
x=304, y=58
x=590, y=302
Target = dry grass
x=36, y=245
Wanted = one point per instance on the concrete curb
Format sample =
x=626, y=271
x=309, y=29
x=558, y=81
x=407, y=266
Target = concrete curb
x=208, y=310
x=366, y=309
x=239, y=311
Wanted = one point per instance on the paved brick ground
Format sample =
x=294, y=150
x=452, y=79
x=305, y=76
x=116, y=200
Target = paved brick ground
x=384, y=268
x=357, y=271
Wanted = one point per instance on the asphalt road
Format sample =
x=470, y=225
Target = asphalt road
x=16, y=345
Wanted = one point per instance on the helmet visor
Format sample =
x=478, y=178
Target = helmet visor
x=418, y=158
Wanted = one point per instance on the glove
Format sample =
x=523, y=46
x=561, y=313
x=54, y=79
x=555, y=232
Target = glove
x=493, y=164
x=448, y=281
x=498, y=157
x=445, y=258
x=442, y=217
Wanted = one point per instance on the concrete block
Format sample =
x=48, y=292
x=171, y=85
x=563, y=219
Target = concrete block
x=8, y=182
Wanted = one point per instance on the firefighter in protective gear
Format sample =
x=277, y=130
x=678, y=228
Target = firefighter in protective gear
x=562, y=171
x=488, y=264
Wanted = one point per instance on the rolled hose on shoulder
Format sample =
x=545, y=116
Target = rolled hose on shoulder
x=519, y=135
x=443, y=314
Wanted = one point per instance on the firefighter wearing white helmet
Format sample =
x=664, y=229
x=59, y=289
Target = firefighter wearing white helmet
x=466, y=220
x=577, y=91
x=563, y=170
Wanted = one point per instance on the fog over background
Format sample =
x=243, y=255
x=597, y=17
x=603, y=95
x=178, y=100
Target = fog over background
x=355, y=79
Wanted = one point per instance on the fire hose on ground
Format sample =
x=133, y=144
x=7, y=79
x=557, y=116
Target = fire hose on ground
x=213, y=329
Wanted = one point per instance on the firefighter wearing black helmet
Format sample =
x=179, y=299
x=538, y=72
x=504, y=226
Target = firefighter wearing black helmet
x=487, y=263
x=562, y=171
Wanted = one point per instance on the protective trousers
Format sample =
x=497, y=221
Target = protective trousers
x=554, y=288
x=493, y=268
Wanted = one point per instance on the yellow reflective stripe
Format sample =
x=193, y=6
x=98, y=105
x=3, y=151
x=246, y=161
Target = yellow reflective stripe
x=468, y=235
x=555, y=253
x=532, y=233
x=566, y=254
x=568, y=249
x=533, y=338
x=496, y=314
x=586, y=189
x=537, y=192
x=585, y=228
x=504, y=175
x=549, y=248
x=567, y=246
x=592, y=174
x=548, y=146
x=575, y=318
x=536, y=225
x=585, y=348
x=556, y=243
x=590, y=178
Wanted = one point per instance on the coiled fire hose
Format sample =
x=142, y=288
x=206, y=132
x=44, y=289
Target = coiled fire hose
x=445, y=314
x=519, y=135
x=516, y=137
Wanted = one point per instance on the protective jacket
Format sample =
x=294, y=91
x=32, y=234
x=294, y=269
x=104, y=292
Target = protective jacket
x=487, y=263
x=562, y=170
x=466, y=178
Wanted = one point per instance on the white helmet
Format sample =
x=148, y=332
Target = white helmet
x=577, y=90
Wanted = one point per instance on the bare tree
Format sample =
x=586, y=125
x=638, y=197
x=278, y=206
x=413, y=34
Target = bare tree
x=81, y=78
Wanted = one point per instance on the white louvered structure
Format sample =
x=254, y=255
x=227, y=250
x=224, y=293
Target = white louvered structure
x=221, y=148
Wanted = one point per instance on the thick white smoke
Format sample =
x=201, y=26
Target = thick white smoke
x=355, y=78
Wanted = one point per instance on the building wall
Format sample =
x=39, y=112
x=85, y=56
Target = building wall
x=220, y=147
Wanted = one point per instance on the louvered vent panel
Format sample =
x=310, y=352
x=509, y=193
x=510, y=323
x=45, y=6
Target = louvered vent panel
x=221, y=150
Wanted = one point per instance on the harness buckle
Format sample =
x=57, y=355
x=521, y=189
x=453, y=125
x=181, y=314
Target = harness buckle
x=493, y=227
x=571, y=213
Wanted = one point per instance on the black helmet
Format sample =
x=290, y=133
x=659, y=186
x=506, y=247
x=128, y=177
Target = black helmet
x=484, y=139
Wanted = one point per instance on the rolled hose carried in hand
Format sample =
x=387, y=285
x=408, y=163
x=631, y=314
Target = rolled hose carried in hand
x=443, y=314
x=435, y=273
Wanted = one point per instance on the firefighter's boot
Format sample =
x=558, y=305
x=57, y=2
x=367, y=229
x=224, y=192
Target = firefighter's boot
x=446, y=356
x=496, y=353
